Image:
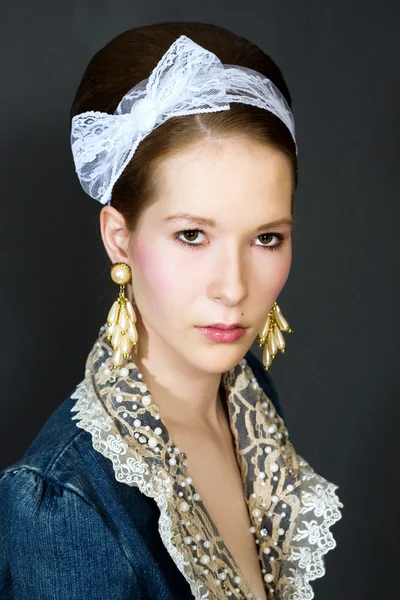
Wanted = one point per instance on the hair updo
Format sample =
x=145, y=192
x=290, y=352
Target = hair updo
x=130, y=57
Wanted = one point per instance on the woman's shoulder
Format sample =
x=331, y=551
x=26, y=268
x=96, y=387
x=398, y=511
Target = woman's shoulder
x=60, y=462
x=55, y=449
x=52, y=517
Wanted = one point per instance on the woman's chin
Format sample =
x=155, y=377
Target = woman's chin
x=220, y=358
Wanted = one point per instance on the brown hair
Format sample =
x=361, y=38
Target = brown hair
x=130, y=57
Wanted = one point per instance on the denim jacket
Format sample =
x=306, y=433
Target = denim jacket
x=92, y=511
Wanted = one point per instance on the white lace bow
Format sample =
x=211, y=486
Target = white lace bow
x=187, y=80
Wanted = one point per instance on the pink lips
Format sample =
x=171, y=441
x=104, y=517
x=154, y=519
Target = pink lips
x=223, y=333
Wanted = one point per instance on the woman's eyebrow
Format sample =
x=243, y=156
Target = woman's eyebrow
x=211, y=223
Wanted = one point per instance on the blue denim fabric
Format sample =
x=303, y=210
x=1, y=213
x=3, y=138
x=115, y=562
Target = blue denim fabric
x=70, y=530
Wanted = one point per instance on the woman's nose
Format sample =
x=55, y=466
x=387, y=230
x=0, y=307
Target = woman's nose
x=229, y=279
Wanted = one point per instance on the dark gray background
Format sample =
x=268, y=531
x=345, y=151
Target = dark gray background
x=338, y=382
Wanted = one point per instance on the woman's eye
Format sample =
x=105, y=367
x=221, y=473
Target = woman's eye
x=266, y=239
x=189, y=237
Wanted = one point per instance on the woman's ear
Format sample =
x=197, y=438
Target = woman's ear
x=114, y=233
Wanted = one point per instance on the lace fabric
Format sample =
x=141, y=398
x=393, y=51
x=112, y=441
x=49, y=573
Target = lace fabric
x=291, y=508
x=187, y=80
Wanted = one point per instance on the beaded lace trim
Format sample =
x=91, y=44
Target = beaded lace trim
x=291, y=508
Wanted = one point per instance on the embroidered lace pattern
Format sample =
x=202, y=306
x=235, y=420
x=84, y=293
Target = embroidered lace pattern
x=291, y=508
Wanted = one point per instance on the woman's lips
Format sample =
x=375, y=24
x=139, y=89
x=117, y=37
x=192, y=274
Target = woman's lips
x=216, y=334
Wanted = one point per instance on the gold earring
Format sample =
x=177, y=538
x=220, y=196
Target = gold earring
x=121, y=330
x=271, y=335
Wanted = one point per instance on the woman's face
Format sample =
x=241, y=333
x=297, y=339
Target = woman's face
x=214, y=248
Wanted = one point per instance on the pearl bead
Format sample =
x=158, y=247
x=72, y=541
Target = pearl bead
x=118, y=357
x=158, y=431
x=261, y=475
x=187, y=540
x=172, y=461
x=184, y=506
x=120, y=274
x=204, y=559
x=137, y=422
x=124, y=372
x=268, y=577
x=290, y=488
x=272, y=428
x=197, y=537
x=152, y=442
x=125, y=345
x=281, y=531
x=130, y=311
x=274, y=467
x=252, y=529
x=237, y=579
x=113, y=314
x=267, y=550
x=256, y=512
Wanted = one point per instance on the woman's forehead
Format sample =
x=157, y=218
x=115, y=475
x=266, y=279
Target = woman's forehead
x=233, y=174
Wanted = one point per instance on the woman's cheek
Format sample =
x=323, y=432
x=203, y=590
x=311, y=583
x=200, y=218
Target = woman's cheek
x=281, y=271
x=159, y=268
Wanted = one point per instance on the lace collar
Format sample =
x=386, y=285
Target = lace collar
x=291, y=508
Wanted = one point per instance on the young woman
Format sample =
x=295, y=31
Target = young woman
x=168, y=472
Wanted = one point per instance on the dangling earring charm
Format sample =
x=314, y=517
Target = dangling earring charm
x=121, y=330
x=271, y=335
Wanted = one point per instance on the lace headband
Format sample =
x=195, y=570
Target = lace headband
x=187, y=80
